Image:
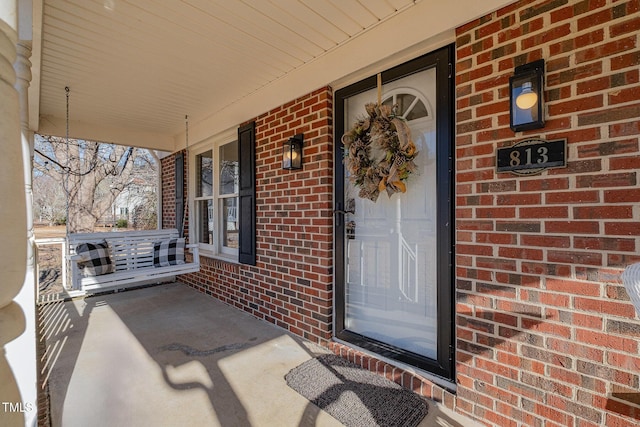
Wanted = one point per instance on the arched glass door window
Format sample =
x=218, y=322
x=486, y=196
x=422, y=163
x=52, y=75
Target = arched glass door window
x=411, y=104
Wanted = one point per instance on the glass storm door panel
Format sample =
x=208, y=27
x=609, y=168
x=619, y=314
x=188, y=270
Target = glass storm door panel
x=391, y=265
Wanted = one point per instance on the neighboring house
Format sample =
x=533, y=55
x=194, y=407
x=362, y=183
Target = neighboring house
x=128, y=201
x=497, y=294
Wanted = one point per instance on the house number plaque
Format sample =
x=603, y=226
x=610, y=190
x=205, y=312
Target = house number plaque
x=532, y=156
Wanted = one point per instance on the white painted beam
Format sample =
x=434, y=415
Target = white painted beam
x=97, y=132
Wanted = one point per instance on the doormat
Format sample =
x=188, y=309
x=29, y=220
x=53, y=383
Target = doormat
x=355, y=396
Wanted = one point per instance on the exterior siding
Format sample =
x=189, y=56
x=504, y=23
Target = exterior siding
x=545, y=331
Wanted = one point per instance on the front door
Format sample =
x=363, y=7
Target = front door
x=394, y=255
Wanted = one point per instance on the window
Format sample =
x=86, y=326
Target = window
x=204, y=198
x=228, y=195
x=216, y=224
x=222, y=195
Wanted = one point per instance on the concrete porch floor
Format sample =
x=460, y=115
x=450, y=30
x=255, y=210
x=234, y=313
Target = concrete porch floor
x=171, y=356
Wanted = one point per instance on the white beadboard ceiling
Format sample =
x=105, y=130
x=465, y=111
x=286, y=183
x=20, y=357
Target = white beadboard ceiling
x=135, y=68
x=144, y=64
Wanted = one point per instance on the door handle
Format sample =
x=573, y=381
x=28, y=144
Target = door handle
x=342, y=213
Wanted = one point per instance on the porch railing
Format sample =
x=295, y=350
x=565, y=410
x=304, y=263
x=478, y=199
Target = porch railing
x=51, y=270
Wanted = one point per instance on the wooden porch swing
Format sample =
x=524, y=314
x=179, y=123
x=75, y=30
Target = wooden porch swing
x=118, y=260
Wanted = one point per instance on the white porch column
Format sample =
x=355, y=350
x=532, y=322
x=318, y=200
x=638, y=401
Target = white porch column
x=13, y=251
x=21, y=352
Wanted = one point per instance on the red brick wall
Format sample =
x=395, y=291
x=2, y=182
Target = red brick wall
x=168, y=167
x=546, y=334
x=291, y=285
x=168, y=191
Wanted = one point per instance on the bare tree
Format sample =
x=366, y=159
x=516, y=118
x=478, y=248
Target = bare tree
x=49, y=199
x=91, y=173
x=145, y=215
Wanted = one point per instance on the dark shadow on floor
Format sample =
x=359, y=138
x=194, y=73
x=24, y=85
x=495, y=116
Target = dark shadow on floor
x=61, y=332
x=168, y=355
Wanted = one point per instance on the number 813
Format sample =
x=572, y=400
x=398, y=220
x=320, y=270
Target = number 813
x=540, y=157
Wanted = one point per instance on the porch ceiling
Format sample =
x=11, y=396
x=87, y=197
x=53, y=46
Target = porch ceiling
x=135, y=68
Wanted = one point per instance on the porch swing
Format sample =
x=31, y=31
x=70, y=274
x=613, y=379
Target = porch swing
x=118, y=260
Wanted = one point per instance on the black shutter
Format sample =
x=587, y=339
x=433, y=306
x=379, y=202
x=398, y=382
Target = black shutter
x=180, y=193
x=247, y=193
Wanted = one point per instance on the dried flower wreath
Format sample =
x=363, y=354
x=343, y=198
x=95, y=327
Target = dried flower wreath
x=379, y=152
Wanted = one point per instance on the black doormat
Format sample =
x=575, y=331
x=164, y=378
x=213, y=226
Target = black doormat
x=355, y=396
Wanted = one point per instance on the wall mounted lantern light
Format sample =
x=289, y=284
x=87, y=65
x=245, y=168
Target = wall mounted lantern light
x=526, y=96
x=292, y=153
